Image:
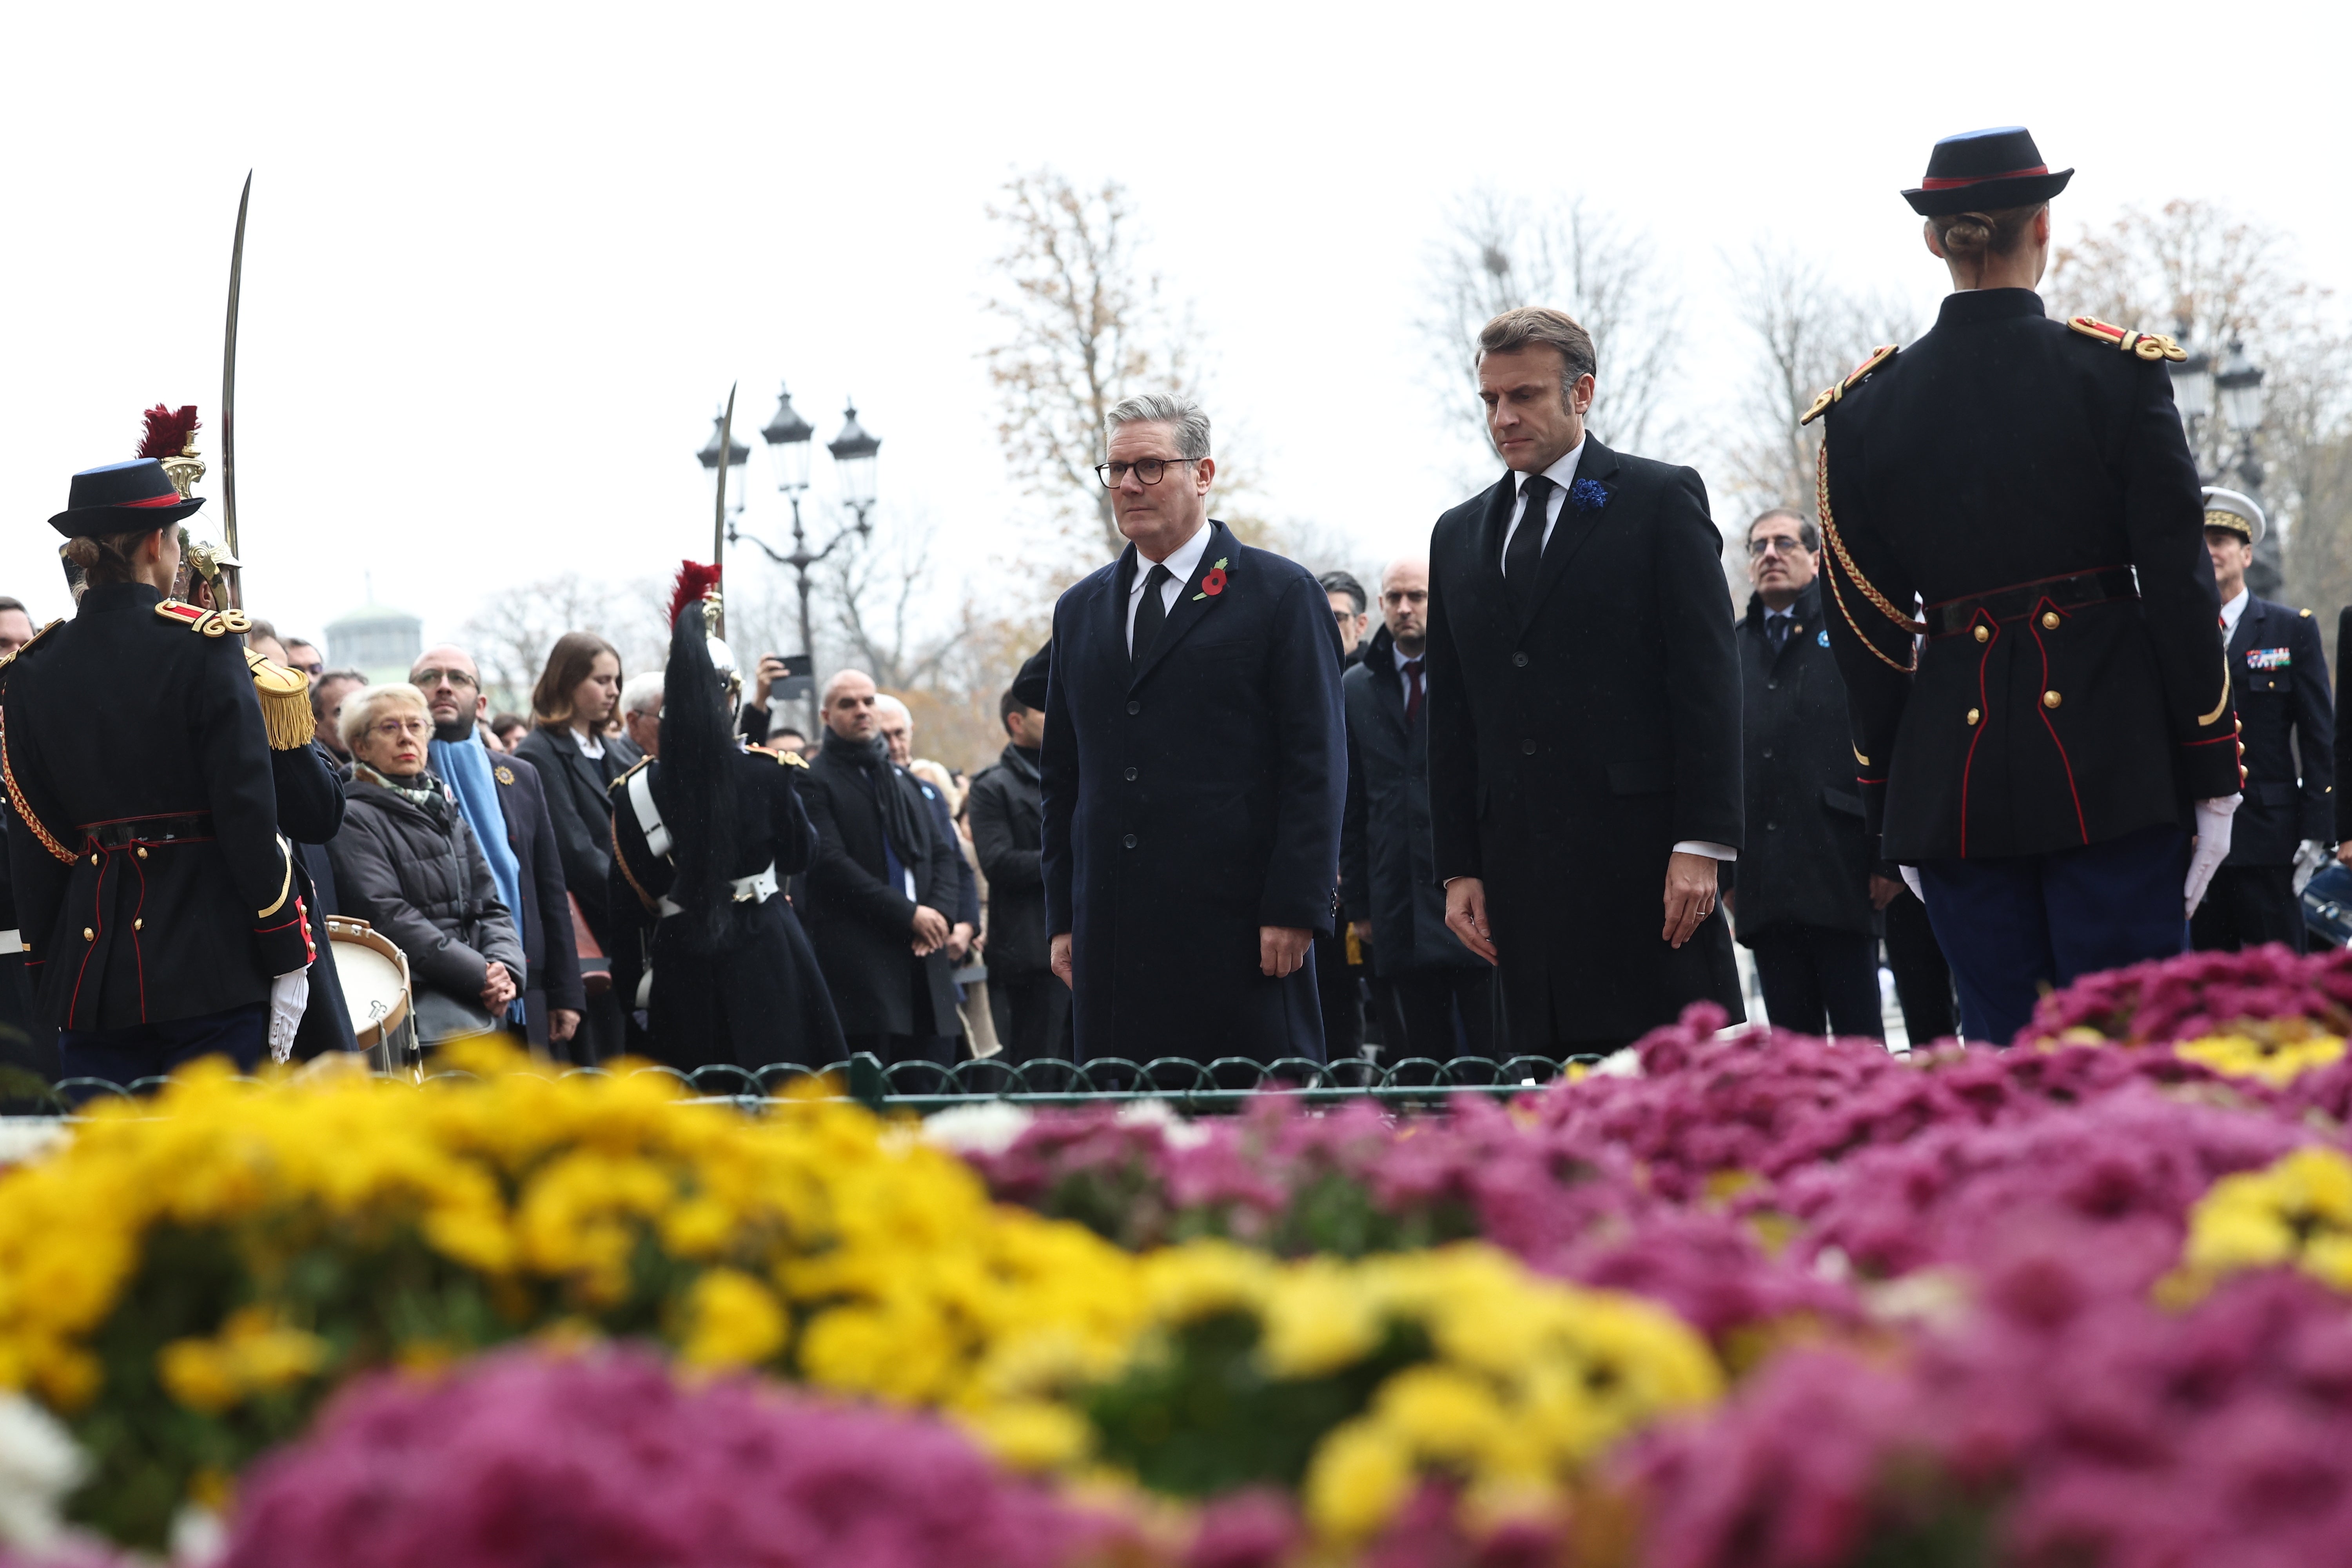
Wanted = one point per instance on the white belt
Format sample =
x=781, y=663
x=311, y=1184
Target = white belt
x=12, y=942
x=756, y=889
x=641, y=801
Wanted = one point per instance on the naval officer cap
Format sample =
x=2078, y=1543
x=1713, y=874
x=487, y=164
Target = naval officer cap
x=2234, y=513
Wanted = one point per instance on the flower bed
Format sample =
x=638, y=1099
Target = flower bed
x=1760, y=1300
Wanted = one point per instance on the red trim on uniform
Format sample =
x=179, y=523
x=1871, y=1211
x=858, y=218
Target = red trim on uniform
x=170, y=500
x=310, y=947
x=1948, y=184
x=281, y=925
x=1859, y=779
x=2033, y=623
x=139, y=914
x=2030, y=582
x=151, y=817
x=1984, y=722
x=2212, y=739
x=98, y=929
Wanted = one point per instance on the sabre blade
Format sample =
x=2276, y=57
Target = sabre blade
x=718, y=524
x=228, y=385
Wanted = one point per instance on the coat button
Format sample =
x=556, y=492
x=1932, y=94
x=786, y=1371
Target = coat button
x=1130, y=775
x=93, y=859
x=1984, y=634
x=1974, y=715
x=2049, y=620
x=2050, y=699
x=87, y=934
x=138, y=925
x=142, y=852
x=1129, y=841
x=1771, y=827
x=1520, y=659
x=1526, y=748
x=1771, y=686
x=1135, y=706
x=1768, y=753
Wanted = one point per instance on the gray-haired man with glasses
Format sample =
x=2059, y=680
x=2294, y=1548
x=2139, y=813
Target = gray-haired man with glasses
x=1193, y=772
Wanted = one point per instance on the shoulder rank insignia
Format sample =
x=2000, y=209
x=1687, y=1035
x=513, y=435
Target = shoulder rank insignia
x=211, y=623
x=1879, y=356
x=794, y=759
x=2146, y=345
x=631, y=773
x=26, y=646
x=285, y=702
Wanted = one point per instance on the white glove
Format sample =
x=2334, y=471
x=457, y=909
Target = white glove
x=1911, y=880
x=288, y=995
x=2211, y=849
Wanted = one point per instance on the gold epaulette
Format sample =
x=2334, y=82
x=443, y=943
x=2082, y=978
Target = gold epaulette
x=794, y=759
x=26, y=646
x=625, y=773
x=285, y=702
x=2146, y=345
x=211, y=623
x=1879, y=356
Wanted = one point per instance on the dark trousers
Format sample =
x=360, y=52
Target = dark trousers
x=892, y=1049
x=1923, y=980
x=152, y=1050
x=1447, y=1010
x=2247, y=906
x=2012, y=927
x=1342, y=994
x=1819, y=982
x=1034, y=1022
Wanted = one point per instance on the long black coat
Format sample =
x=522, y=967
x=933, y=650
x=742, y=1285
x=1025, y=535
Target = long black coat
x=861, y=926
x=1808, y=860
x=578, y=806
x=122, y=716
x=758, y=996
x=1190, y=800
x=550, y=953
x=1570, y=752
x=1388, y=864
x=418, y=876
x=1008, y=833
x=310, y=812
x=2278, y=683
x=2003, y=451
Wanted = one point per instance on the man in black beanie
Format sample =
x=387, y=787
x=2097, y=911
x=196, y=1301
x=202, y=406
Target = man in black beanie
x=1008, y=832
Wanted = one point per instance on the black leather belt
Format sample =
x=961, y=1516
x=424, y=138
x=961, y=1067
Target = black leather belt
x=1954, y=616
x=148, y=830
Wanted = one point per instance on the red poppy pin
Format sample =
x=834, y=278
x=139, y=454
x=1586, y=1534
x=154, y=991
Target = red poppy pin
x=1212, y=582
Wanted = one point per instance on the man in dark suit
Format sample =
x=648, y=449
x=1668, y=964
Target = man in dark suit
x=1805, y=895
x=553, y=997
x=2278, y=683
x=1584, y=713
x=1008, y=832
x=1194, y=770
x=1443, y=993
x=879, y=887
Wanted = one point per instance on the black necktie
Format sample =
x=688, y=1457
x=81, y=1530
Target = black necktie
x=1412, y=691
x=1524, y=555
x=1150, y=614
x=1776, y=629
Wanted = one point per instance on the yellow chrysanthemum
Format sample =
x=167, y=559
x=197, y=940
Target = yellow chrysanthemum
x=2273, y=1061
x=2297, y=1212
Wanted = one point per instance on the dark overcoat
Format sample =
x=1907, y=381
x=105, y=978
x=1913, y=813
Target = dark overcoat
x=581, y=815
x=550, y=956
x=1008, y=833
x=2030, y=487
x=1570, y=752
x=1808, y=861
x=758, y=996
x=416, y=873
x=2278, y=683
x=1192, y=798
x=152, y=882
x=861, y=926
x=1388, y=864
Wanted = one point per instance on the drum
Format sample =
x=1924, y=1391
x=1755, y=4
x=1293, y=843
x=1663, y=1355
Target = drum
x=374, y=972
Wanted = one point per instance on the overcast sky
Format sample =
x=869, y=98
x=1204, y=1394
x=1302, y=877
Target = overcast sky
x=504, y=260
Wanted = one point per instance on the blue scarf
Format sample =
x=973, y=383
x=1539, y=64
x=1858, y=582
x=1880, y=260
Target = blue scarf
x=466, y=766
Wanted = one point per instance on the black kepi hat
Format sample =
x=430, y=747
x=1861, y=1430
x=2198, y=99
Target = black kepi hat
x=1985, y=171
x=1029, y=686
x=122, y=498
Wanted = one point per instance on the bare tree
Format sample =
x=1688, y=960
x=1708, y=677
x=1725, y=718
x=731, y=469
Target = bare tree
x=511, y=634
x=1087, y=325
x=882, y=592
x=1499, y=252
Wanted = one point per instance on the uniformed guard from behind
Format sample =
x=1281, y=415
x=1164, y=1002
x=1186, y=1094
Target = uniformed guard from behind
x=2278, y=682
x=2023, y=610
x=703, y=833
x=157, y=899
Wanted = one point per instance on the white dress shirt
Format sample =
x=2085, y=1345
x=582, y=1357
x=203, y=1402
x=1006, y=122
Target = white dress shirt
x=1181, y=563
x=1561, y=474
x=2230, y=613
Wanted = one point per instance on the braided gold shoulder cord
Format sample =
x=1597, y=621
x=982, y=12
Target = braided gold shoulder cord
x=1838, y=551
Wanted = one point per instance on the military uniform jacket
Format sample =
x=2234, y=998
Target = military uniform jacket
x=149, y=876
x=2278, y=682
x=2031, y=486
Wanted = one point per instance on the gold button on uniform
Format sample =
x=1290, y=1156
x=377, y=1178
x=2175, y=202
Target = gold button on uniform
x=1974, y=715
x=1984, y=634
x=93, y=859
x=2050, y=699
x=87, y=934
x=138, y=925
x=143, y=852
x=2049, y=620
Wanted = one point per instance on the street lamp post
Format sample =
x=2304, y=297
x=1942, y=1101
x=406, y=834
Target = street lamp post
x=789, y=438
x=2233, y=391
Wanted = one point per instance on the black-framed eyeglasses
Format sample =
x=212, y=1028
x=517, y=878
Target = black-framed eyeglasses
x=1786, y=544
x=427, y=680
x=1344, y=616
x=1146, y=469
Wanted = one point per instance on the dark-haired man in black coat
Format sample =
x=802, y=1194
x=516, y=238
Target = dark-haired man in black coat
x=1194, y=771
x=1584, y=713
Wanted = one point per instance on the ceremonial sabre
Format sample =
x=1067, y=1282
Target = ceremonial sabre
x=228, y=403
x=719, y=524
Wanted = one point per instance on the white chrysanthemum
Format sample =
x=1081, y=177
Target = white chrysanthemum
x=39, y=1464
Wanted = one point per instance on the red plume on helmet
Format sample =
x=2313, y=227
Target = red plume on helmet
x=694, y=582
x=169, y=433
